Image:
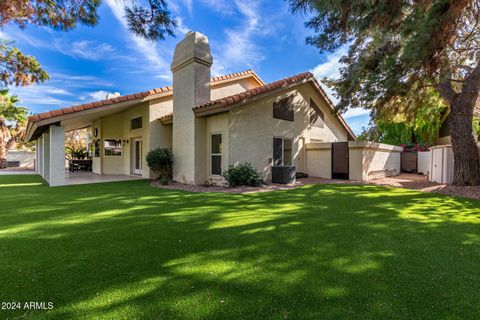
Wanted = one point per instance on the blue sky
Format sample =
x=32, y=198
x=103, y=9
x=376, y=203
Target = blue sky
x=89, y=62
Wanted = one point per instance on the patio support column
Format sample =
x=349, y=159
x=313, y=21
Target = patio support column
x=46, y=156
x=39, y=157
x=57, y=156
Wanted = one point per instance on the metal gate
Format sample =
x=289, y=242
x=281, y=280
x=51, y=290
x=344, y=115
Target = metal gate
x=409, y=162
x=340, y=167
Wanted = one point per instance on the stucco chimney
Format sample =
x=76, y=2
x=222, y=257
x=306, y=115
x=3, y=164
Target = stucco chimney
x=191, y=87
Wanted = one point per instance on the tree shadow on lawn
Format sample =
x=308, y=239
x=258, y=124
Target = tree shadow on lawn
x=126, y=250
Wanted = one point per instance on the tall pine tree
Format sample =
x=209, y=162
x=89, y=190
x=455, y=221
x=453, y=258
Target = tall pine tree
x=397, y=49
x=149, y=19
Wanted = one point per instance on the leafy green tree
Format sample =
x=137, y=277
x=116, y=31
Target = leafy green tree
x=413, y=119
x=150, y=19
x=12, y=124
x=398, y=49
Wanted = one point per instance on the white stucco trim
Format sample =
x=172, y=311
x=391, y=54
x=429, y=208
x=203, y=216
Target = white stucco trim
x=373, y=145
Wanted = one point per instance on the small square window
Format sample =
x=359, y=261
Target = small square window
x=283, y=109
x=113, y=147
x=136, y=123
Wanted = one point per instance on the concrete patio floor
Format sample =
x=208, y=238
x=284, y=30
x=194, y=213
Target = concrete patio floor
x=73, y=178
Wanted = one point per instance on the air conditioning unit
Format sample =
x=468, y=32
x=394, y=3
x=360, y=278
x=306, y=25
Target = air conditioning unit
x=283, y=174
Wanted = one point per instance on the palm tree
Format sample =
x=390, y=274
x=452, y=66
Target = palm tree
x=12, y=124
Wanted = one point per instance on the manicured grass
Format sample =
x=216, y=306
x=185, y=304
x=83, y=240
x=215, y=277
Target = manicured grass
x=129, y=251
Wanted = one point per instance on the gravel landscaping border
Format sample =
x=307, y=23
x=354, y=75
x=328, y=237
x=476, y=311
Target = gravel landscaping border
x=404, y=180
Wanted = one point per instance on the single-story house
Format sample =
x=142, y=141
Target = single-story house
x=209, y=124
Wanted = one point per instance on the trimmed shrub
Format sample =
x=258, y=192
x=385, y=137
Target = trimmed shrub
x=160, y=161
x=241, y=175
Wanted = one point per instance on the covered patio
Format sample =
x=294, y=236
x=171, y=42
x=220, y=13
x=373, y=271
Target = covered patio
x=114, y=147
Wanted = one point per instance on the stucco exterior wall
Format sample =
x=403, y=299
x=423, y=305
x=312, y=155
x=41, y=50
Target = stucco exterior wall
x=26, y=158
x=370, y=160
x=232, y=87
x=161, y=107
x=252, y=129
x=217, y=124
x=160, y=135
x=112, y=128
x=319, y=160
x=332, y=130
x=117, y=126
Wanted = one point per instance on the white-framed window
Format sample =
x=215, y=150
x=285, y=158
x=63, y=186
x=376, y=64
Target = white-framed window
x=216, y=154
x=112, y=147
x=282, y=151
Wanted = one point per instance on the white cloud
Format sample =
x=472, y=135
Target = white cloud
x=240, y=47
x=355, y=112
x=331, y=69
x=181, y=26
x=189, y=5
x=225, y=7
x=176, y=6
x=89, y=50
x=44, y=95
x=146, y=48
x=60, y=91
x=23, y=38
x=82, y=49
x=96, y=95
x=76, y=81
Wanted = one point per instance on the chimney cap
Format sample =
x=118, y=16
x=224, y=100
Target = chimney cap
x=193, y=48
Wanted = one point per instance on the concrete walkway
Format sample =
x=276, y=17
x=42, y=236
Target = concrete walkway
x=73, y=178
x=17, y=171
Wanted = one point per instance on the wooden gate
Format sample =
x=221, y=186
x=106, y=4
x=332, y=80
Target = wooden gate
x=409, y=162
x=340, y=167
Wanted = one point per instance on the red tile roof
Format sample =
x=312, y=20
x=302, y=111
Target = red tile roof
x=230, y=100
x=166, y=119
x=134, y=96
x=225, y=103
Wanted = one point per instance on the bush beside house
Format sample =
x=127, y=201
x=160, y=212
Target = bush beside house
x=241, y=175
x=160, y=160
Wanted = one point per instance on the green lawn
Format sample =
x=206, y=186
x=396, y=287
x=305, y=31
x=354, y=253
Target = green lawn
x=130, y=251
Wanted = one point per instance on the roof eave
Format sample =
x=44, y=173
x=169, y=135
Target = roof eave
x=219, y=108
x=33, y=126
x=332, y=107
